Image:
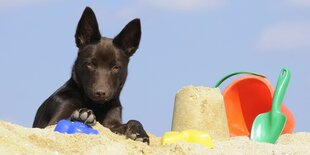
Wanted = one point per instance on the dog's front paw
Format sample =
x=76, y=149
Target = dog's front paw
x=135, y=131
x=84, y=115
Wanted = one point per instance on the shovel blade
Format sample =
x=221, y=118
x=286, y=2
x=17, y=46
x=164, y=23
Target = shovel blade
x=267, y=127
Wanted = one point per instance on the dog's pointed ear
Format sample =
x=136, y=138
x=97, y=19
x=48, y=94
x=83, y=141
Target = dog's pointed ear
x=129, y=38
x=87, y=30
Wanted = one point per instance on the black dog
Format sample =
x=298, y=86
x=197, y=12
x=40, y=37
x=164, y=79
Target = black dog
x=98, y=76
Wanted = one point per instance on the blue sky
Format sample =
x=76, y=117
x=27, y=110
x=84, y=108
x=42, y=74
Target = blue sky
x=183, y=42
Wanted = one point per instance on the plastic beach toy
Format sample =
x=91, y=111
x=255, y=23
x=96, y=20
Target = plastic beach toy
x=245, y=98
x=267, y=127
x=66, y=126
x=192, y=136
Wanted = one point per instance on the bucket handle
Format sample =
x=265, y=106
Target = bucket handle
x=236, y=73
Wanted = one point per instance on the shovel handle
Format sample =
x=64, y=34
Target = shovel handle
x=283, y=80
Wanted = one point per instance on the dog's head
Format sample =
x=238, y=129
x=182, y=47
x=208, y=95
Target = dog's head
x=101, y=66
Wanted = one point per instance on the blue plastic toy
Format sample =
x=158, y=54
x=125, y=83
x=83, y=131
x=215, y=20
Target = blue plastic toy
x=66, y=126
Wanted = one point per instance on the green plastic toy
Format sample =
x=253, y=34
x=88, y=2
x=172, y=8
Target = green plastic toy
x=267, y=127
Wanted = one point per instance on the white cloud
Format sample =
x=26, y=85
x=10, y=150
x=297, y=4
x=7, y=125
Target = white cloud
x=185, y=5
x=288, y=36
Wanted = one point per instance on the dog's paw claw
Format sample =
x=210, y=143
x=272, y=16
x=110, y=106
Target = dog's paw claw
x=144, y=140
x=84, y=115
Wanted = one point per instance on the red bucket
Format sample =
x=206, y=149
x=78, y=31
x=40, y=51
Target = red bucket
x=245, y=98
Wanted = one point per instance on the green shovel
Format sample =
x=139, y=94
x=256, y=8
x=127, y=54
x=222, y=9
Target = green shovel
x=267, y=127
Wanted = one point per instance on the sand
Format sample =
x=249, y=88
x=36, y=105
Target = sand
x=15, y=139
x=201, y=108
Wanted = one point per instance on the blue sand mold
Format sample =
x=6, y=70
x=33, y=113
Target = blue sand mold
x=65, y=126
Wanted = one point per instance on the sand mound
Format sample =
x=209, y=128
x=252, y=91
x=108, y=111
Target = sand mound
x=15, y=139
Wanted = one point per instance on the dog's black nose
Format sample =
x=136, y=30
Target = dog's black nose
x=100, y=93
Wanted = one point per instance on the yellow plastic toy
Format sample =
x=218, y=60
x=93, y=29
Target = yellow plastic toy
x=191, y=136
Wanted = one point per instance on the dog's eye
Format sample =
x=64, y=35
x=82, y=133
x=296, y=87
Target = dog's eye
x=116, y=68
x=89, y=65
